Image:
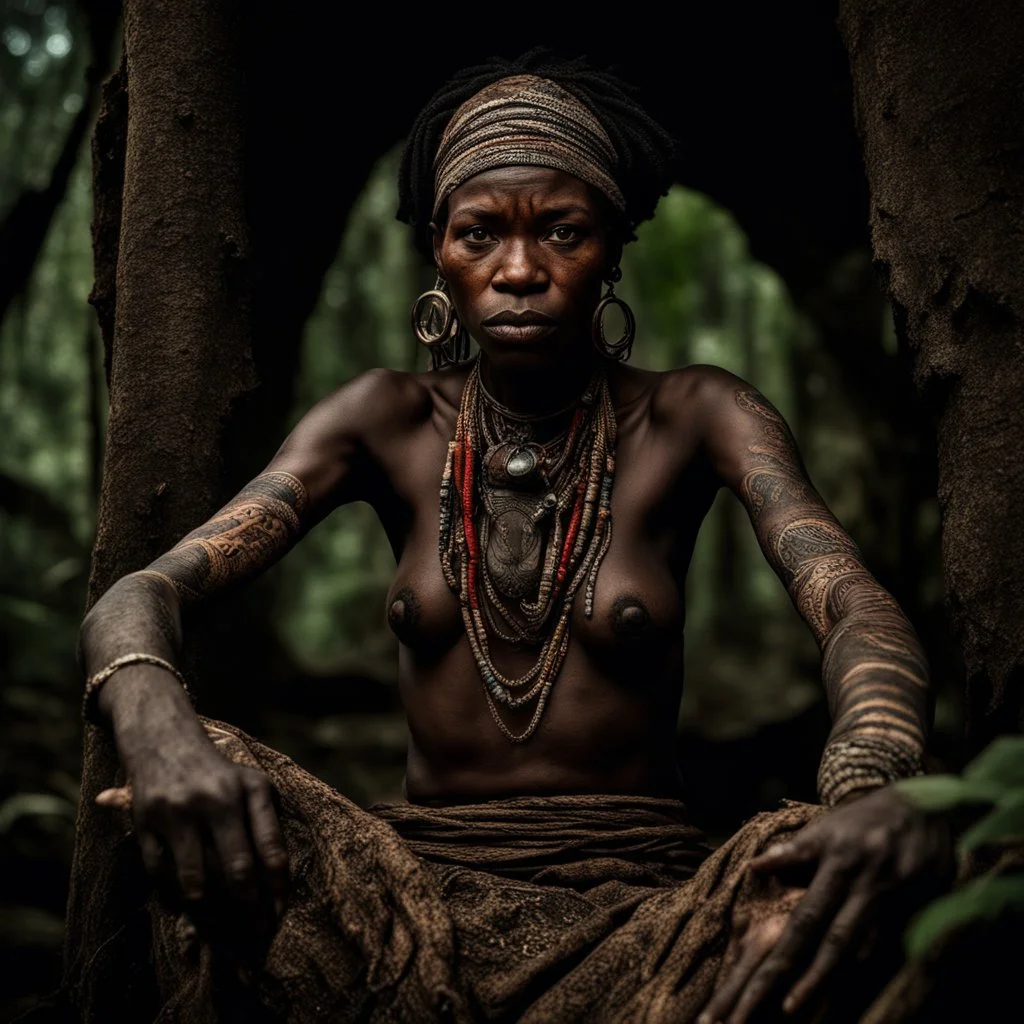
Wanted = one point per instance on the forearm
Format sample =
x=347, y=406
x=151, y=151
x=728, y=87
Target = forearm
x=876, y=679
x=873, y=667
x=141, y=613
x=141, y=702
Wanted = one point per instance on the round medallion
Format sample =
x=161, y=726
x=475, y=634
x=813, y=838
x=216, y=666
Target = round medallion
x=522, y=462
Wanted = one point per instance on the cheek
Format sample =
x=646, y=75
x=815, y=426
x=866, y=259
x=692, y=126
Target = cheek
x=467, y=277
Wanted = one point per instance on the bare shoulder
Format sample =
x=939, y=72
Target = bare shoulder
x=701, y=395
x=330, y=447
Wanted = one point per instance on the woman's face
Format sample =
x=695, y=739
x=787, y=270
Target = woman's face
x=524, y=251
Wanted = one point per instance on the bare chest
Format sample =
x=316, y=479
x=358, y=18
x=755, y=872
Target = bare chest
x=659, y=494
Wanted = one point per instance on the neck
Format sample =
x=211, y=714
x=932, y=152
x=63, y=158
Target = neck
x=535, y=391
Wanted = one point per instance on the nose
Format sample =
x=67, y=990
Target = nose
x=520, y=271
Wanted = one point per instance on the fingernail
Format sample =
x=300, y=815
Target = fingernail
x=705, y=1018
x=789, y=1005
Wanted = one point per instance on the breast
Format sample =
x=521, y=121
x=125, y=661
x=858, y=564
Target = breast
x=421, y=611
x=638, y=609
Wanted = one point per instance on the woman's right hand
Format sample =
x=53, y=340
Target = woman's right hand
x=207, y=827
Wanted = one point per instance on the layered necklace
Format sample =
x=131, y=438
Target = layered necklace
x=523, y=526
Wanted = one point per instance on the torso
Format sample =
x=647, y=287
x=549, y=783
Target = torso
x=610, y=722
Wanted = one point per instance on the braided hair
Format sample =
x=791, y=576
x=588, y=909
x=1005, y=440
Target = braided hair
x=646, y=152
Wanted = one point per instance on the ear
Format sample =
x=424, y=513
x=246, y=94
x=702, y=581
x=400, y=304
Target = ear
x=437, y=238
x=614, y=250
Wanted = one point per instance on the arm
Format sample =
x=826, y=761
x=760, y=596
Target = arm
x=873, y=666
x=182, y=788
x=867, y=851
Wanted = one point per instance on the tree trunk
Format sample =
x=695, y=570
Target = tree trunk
x=937, y=99
x=180, y=359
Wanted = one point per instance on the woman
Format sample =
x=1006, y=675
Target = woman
x=542, y=501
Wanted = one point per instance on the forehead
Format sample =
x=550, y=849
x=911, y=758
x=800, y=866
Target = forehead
x=531, y=187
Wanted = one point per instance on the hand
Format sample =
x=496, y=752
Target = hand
x=207, y=828
x=859, y=853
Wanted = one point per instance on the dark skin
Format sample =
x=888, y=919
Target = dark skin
x=518, y=239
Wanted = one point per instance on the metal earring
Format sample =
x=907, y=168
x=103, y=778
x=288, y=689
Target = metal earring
x=622, y=346
x=436, y=325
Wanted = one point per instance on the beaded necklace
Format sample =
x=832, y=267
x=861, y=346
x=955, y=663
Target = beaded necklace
x=501, y=492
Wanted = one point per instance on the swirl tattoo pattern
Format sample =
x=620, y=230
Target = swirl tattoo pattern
x=873, y=666
x=138, y=612
x=249, y=533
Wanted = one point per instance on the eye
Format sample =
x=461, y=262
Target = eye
x=477, y=234
x=564, y=233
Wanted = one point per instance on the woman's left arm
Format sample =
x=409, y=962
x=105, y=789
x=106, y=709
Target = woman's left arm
x=876, y=679
x=873, y=666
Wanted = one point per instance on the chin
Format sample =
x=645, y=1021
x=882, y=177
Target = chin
x=517, y=355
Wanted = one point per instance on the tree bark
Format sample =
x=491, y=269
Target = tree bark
x=937, y=99
x=180, y=359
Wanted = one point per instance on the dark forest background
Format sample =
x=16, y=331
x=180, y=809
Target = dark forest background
x=759, y=260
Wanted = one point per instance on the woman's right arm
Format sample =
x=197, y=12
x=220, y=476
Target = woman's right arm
x=185, y=794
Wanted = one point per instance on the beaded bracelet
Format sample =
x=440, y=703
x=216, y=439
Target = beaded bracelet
x=97, y=679
x=863, y=762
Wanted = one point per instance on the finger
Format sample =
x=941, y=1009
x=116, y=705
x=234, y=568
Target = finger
x=152, y=855
x=117, y=799
x=729, y=989
x=826, y=892
x=187, y=851
x=234, y=851
x=801, y=849
x=267, y=838
x=848, y=924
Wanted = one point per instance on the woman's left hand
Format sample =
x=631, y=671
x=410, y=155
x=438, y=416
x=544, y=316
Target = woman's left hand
x=859, y=853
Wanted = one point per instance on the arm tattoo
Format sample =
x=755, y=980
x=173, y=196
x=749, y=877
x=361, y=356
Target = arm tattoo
x=251, y=532
x=873, y=666
x=247, y=535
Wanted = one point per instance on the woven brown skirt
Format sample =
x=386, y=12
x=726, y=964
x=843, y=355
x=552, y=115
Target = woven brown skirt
x=593, y=908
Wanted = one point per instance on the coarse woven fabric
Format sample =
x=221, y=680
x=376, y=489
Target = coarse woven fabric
x=525, y=120
x=566, y=908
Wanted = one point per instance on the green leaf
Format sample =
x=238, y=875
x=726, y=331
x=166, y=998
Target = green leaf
x=1002, y=762
x=944, y=792
x=984, y=898
x=1004, y=824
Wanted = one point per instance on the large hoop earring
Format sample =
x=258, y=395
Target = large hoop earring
x=436, y=326
x=621, y=347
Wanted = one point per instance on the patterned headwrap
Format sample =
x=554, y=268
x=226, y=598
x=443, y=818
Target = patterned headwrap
x=525, y=120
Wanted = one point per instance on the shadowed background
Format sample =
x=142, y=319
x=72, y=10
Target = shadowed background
x=758, y=260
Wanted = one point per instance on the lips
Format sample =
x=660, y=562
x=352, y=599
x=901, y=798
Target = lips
x=519, y=325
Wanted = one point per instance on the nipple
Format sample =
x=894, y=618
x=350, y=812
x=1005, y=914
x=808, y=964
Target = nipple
x=403, y=611
x=629, y=616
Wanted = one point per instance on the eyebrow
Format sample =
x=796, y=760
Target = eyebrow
x=482, y=213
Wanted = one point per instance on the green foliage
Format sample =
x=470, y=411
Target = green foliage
x=985, y=898
x=995, y=779
x=1001, y=764
x=946, y=792
x=47, y=482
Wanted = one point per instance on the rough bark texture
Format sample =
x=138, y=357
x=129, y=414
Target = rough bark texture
x=938, y=102
x=181, y=351
x=180, y=358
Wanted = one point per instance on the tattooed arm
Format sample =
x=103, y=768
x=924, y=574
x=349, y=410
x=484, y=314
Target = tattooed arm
x=873, y=667
x=875, y=849
x=184, y=793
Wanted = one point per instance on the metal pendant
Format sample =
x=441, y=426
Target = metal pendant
x=514, y=543
x=515, y=465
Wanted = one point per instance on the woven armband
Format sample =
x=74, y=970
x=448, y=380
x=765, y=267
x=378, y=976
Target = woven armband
x=863, y=762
